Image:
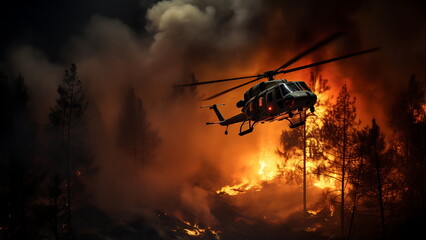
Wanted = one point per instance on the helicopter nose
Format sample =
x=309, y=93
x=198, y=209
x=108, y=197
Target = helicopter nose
x=303, y=99
x=289, y=100
x=312, y=96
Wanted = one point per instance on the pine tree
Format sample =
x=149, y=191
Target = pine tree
x=303, y=142
x=65, y=116
x=5, y=121
x=372, y=175
x=338, y=134
x=19, y=178
x=408, y=120
x=135, y=136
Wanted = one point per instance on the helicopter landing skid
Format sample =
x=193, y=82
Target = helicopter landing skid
x=250, y=127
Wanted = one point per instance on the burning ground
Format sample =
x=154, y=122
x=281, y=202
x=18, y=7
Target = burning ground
x=145, y=164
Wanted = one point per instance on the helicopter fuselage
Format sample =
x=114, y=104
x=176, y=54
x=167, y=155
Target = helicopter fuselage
x=276, y=100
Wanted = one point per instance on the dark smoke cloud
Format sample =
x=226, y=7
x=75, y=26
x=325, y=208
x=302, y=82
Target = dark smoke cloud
x=49, y=24
x=171, y=40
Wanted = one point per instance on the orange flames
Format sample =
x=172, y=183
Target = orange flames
x=267, y=171
x=195, y=230
x=268, y=166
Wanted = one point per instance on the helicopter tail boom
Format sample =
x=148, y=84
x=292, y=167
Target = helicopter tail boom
x=218, y=113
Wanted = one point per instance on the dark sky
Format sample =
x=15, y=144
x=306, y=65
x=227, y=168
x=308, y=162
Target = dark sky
x=48, y=24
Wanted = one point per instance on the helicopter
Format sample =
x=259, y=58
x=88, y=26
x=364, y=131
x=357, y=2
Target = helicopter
x=274, y=99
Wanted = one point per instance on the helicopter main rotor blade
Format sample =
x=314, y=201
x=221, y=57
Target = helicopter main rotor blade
x=215, y=81
x=329, y=60
x=320, y=44
x=233, y=88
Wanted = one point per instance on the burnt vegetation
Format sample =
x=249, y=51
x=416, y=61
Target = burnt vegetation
x=44, y=170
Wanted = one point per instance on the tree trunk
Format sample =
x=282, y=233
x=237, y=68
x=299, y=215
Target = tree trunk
x=56, y=207
x=304, y=169
x=355, y=205
x=68, y=162
x=380, y=191
x=342, y=209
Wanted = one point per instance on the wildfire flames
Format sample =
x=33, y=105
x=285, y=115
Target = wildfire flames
x=268, y=165
x=271, y=167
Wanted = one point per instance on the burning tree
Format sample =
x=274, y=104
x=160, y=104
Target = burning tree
x=305, y=143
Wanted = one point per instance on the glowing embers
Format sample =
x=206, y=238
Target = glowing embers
x=314, y=212
x=194, y=230
x=419, y=114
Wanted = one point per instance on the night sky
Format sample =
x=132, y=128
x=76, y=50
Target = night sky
x=49, y=25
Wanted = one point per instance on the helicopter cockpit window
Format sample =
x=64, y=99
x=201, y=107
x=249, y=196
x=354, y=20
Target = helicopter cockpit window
x=251, y=106
x=293, y=87
x=303, y=86
x=284, y=89
x=261, y=102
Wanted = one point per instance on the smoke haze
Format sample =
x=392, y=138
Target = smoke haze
x=166, y=42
